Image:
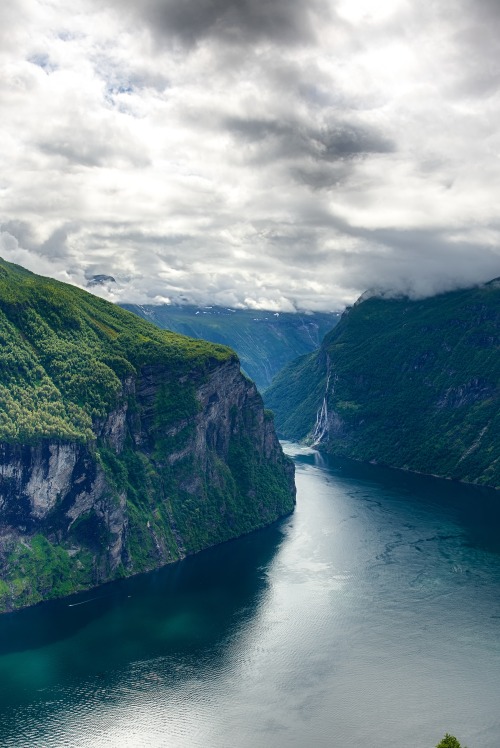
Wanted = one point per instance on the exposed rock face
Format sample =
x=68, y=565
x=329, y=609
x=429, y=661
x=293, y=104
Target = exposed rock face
x=34, y=480
x=161, y=481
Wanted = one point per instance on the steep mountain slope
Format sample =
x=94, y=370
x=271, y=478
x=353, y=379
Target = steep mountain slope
x=264, y=341
x=410, y=384
x=122, y=446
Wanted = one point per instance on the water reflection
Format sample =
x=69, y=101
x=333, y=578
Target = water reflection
x=185, y=612
x=476, y=508
x=369, y=617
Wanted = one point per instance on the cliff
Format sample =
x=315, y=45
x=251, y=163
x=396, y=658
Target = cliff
x=408, y=384
x=122, y=447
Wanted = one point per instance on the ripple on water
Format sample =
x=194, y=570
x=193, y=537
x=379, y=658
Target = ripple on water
x=371, y=616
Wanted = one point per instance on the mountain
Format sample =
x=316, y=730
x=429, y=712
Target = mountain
x=100, y=280
x=122, y=446
x=408, y=384
x=264, y=341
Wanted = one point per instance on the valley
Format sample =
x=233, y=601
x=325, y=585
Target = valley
x=265, y=341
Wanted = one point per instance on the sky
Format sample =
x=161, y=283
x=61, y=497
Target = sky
x=274, y=154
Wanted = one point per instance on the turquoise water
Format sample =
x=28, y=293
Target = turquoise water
x=369, y=617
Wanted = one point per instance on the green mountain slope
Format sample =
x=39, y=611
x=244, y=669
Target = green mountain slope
x=122, y=446
x=410, y=384
x=65, y=352
x=264, y=341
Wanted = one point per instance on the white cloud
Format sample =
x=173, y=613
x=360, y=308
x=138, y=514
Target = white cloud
x=274, y=155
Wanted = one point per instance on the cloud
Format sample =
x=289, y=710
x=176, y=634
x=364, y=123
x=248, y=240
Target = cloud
x=236, y=22
x=278, y=154
x=333, y=141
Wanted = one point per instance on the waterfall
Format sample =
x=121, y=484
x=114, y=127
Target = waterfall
x=321, y=426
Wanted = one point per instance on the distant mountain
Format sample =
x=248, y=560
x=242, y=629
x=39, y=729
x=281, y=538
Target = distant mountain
x=100, y=280
x=264, y=341
x=123, y=447
x=409, y=384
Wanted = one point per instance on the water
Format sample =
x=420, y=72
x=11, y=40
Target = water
x=370, y=617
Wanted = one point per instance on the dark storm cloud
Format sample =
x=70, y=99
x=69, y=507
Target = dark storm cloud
x=241, y=22
x=334, y=143
x=341, y=141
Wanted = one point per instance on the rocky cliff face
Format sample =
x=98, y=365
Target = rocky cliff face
x=122, y=447
x=150, y=490
x=409, y=384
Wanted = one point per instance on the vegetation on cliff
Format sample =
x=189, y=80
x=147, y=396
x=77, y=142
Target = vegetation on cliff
x=122, y=446
x=409, y=384
x=264, y=341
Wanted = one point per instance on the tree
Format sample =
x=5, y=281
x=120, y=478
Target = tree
x=449, y=742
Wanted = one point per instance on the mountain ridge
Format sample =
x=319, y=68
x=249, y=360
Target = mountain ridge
x=412, y=384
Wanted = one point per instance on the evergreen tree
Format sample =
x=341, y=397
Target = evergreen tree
x=449, y=742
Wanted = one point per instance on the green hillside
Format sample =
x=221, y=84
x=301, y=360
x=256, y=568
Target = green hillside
x=411, y=384
x=264, y=341
x=64, y=352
